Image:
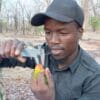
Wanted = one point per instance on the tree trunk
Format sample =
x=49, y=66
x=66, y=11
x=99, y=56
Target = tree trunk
x=85, y=4
x=0, y=18
x=16, y=23
x=23, y=26
x=93, y=8
x=0, y=4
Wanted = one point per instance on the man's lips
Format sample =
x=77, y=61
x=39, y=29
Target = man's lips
x=56, y=51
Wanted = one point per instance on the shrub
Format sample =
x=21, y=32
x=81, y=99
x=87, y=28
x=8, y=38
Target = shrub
x=95, y=23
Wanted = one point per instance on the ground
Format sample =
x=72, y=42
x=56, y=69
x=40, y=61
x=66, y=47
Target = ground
x=17, y=81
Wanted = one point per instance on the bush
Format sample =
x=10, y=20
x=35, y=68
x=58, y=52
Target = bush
x=38, y=30
x=95, y=23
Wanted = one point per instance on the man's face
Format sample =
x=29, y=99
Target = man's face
x=62, y=38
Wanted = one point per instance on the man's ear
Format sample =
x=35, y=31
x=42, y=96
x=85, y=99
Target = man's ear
x=80, y=32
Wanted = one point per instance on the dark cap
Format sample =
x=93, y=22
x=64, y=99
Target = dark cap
x=60, y=10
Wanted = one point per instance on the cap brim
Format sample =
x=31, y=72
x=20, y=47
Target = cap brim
x=40, y=18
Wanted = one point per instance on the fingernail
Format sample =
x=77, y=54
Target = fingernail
x=47, y=69
x=17, y=52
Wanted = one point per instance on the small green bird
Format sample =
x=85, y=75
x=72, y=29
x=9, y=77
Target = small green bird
x=39, y=69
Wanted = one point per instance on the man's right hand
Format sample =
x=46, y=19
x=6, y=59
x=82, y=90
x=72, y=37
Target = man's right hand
x=12, y=48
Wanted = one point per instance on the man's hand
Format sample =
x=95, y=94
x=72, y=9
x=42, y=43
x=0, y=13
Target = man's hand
x=11, y=48
x=41, y=90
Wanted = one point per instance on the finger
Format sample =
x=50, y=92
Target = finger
x=33, y=82
x=13, y=47
x=2, y=48
x=49, y=77
x=21, y=59
x=40, y=79
x=19, y=48
x=7, y=50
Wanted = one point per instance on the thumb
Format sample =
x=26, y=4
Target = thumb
x=21, y=59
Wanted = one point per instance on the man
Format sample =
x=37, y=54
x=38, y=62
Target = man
x=71, y=73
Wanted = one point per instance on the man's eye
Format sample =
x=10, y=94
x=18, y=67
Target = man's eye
x=63, y=33
x=48, y=32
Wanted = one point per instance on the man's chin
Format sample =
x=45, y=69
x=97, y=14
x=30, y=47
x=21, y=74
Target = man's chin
x=58, y=53
x=57, y=57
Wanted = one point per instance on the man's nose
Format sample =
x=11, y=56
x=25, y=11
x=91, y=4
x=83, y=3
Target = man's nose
x=55, y=38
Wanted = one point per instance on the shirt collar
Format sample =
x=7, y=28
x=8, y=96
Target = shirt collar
x=76, y=62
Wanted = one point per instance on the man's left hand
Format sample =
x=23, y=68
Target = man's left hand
x=41, y=90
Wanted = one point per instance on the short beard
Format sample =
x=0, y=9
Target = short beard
x=61, y=61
